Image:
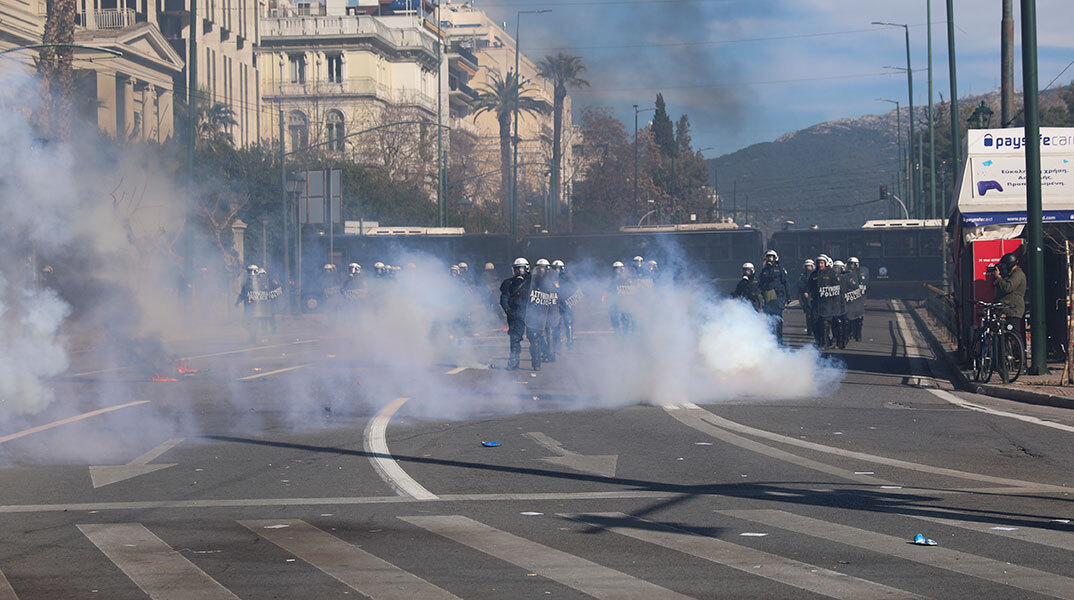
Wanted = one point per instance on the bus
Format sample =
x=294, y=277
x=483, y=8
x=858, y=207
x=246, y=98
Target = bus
x=900, y=254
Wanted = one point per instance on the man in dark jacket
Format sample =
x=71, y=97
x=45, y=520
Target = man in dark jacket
x=514, y=297
x=747, y=288
x=854, y=297
x=774, y=292
x=1010, y=284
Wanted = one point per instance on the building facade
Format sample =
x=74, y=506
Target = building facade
x=473, y=30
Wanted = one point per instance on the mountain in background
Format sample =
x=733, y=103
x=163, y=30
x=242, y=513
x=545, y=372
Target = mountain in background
x=829, y=174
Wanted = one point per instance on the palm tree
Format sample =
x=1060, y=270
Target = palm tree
x=498, y=97
x=562, y=70
x=213, y=121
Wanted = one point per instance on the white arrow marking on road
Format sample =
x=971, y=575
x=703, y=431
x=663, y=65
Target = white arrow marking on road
x=108, y=474
x=602, y=464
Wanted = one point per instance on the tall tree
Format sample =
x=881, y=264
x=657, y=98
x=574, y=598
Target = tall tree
x=498, y=98
x=56, y=68
x=663, y=130
x=563, y=70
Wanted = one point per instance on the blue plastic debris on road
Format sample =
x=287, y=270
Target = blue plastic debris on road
x=921, y=540
x=490, y=444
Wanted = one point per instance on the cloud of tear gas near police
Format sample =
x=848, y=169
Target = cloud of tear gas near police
x=82, y=257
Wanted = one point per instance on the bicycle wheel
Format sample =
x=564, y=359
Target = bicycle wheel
x=977, y=352
x=986, y=362
x=1001, y=356
x=1015, y=353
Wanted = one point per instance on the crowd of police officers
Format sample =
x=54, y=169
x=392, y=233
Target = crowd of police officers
x=830, y=293
x=539, y=303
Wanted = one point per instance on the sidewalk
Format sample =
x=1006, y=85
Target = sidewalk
x=1031, y=389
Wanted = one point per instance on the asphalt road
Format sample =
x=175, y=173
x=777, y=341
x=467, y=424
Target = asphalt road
x=309, y=465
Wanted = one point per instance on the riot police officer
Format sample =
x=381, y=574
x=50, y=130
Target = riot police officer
x=542, y=314
x=514, y=299
x=569, y=296
x=774, y=292
x=747, y=288
x=826, y=292
x=803, y=297
x=856, y=285
x=616, y=296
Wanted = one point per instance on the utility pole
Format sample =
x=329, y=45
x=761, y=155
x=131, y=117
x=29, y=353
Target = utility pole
x=285, y=214
x=1007, y=65
x=636, y=207
x=734, y=201
x=441, y=203
x=1034, y=225
x=956, y=137
x=192, y=139
x=932, y=129
x=518, y=92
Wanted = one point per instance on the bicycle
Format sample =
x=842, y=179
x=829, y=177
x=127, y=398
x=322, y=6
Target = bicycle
x=996, y=347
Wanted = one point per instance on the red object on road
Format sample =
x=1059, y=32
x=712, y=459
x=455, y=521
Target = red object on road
x=184, y=369
x=157, y=377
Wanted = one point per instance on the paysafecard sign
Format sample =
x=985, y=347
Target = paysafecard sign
x=1017, y=143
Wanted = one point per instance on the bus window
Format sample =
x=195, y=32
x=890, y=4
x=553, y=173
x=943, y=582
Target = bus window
x=835, y=246
x=719, y=247
x=872, y=247
x=900, y=243
x=929, y=242
x=809, y=245
x=785, y=246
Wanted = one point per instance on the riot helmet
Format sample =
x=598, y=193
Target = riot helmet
x=463, y=267
x=748, y=269
x=771, y=254
x=557, y=264
x=490, y=267
x=1007, y=263
x=520, y=266
x=354, y=268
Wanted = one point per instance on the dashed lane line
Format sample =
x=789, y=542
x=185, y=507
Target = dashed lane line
x=276, y=372
x=92, y=413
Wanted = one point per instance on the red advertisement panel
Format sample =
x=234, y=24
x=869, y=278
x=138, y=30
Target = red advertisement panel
x=986, y=253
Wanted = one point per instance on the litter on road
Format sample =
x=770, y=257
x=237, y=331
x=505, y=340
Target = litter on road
x=921, y=540
x=490, y=444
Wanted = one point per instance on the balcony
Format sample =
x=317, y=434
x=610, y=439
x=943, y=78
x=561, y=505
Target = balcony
x=108, y=18
x=353, y=86
x=345, y=26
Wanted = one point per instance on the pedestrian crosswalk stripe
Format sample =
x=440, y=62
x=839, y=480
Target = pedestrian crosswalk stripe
x=777, y=568
x=1005, y=573
x=354, y=567
x=160, y=572
x=572, y=571
x=1063, y=540
x=6, y=591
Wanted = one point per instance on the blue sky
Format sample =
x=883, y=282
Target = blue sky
x=748, y=71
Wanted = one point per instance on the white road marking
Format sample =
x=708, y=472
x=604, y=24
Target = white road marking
x=698, y=417
x=600, y=464
x=456, y=371
x=159, y=571
x=102, y=475
x=276, y=372
x=6, y=591
x=92, y=413
x=572, y=571
x=932, y=385
x=352, y=566
x=743, y=558
x=997, y=571
x=376, y=443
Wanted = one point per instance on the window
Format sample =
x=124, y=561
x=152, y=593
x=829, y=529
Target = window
x=900, y=243
x=298, y=68
x=335, y=68
x=930, y=243
x=335, y=130
x=298, y=130
x=304, y=9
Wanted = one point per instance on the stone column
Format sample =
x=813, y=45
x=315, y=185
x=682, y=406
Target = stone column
x=128, y=109
x=238, y=239
x=165, y=110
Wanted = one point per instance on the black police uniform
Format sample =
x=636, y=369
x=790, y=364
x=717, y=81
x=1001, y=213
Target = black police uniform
x=854, y=297
x=569, y=297
x=805, y=300
x=749, y=290
x=826, y=288
x=774, y=295
x=514, y=296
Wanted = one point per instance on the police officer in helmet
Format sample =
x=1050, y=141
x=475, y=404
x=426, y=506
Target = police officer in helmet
x=747, y=288
x=514, y=297
x=774, y=291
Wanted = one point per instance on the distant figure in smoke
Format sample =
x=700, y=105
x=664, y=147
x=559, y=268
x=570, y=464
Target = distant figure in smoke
x=826, y=292
x=352, y=288
x=774, y=291
x=653, y=271
x=748, y=288
x=514, y=296
x=275, y=291
x=569, y=296
x=330, y=285
x=803, y=294
x=491, y=286
x=637, y=268
x=460, y=298
x=616, y=296
x=254, y=300
x=854, y=286
x=380, y=270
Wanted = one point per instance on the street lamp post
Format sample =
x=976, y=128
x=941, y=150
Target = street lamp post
x=898, y=137
x=637, y=111
x=518, y=92
x=1034, y=214
x=932, y=132
x=911, y=196
x=264, y=240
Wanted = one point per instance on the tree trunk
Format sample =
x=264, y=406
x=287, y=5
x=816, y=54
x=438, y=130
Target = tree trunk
x=505, y=166
x=56, y=70
x=557, y=154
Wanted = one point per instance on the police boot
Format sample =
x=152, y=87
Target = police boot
x=570, y=336
x=512, y=362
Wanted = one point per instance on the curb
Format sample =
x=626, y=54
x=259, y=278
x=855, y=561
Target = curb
x=995, y=391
